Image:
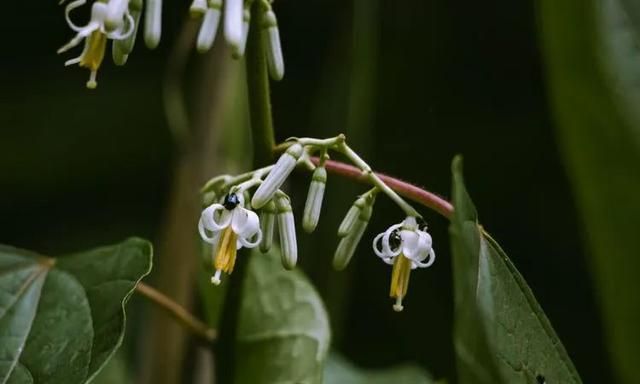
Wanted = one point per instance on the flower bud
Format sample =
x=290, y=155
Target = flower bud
x=135, y=5
x=351, y=216
x=153, y=23
x=198, y=8
x=279, y=173
x=268, y=224
x=209, y=27
x=273, y=47
x=349, y=243
x=287, y=229
x=233, y=22
x=238, y=51
x=314, y=200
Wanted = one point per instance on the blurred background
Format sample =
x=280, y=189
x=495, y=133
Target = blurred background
x=410, y=83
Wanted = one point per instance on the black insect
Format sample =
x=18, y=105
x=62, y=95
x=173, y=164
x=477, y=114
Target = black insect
x=395, y=240
x=230, y=201
x=541, y=380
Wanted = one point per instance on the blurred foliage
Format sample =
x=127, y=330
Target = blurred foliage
x=593, y=56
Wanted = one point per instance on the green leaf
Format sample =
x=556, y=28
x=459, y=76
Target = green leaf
x=340, y=371
x=283, y=331
x=501, y=333
x=593, y=61
x=61, y=319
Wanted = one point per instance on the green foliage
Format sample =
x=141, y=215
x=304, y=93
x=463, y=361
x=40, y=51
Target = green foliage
x=340, y=371
x=501, y=333
x=61, y=319
x=593, y=59
x=283, y=331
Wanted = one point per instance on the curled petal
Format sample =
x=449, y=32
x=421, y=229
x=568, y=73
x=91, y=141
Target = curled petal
x=430, y=256
x=67, y=13
x=209, y=218
x=203, y=234
x=119, y=34
x=379, y=252
x=244, y=222
x=246, y=241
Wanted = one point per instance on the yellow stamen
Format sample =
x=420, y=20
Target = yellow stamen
x=225, y=257
x=400, y=280
x=93, y=55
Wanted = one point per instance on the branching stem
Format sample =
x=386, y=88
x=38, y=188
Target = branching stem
x=179, y=313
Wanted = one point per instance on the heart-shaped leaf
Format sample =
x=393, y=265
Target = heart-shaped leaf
x=62, y=318
x=283, y=331
x=501, y=333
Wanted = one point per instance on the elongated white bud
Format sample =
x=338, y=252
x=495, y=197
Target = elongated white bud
x=287, y=230
x=349, y=243
x=198, y=8
x=351, y=217
x=314, y=200
x=238, y=51
x=274, y=180
x=153, y=23
x=209, y=28
x=272, y=45
x=115, y=14
x=122, y=48
x=233, y=22
x=268, y=224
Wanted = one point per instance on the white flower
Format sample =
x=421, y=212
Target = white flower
x=406, y=247
x=95, y=35
x=229, y=226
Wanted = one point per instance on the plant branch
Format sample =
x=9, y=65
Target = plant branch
x=410, y=191
x=178, y=312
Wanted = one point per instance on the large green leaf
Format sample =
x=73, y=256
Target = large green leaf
x=501, y=333
x=340, y=371
x=593, y=61
x=283, y=331
x=62, y=318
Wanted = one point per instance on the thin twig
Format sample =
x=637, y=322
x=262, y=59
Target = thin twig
x=410, y=191
x=178, y=312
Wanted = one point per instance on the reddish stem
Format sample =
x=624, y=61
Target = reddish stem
x=403, y=188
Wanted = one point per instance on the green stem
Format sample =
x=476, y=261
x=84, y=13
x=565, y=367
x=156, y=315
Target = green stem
x=263, y=140
x=262, y=132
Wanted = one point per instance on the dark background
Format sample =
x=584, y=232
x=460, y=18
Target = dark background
x=411, y=83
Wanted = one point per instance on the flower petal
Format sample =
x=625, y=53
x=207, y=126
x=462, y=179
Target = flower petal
x=245, y=222
x=430, y=256
x=205, y=236
x=209, y=218
x=410, y=243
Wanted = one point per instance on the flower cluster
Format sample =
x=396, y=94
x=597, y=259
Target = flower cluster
x=236, y=20
x=232, y=223
x=115, y=20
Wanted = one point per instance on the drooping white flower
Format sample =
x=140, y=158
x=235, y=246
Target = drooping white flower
x=95, y=35
x=228, y=227
x=406, y=246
